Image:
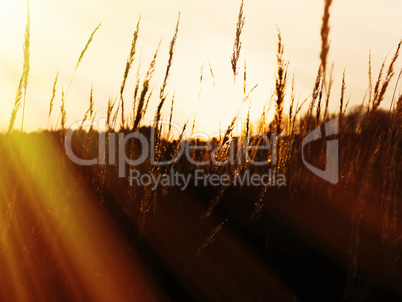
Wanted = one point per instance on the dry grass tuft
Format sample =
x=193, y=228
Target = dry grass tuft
x=342, y=99
x=237, y=42
x=381, y=86
x=86, y=47
x=22, y=86
x=211, y=238
x=17, y=106
x=162, y=95
x=325, y=28
x=81, y=57
x=230, y=129
x=396, y=85
x=52, y=98
x=171, y=117
x=110, y=106
x=26, y=68
x=140, y=112
x=63, y=112
x=331, y=82
x=398, y=110
x=212, y=73
x=129, y=64
x=280, y=84
x=89, y=112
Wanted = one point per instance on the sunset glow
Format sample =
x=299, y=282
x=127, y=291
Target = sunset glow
x=60, y=30
x=200, y=150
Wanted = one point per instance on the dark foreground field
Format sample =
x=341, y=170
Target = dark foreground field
x=74, y=233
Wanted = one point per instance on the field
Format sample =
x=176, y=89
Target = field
x=303, y=207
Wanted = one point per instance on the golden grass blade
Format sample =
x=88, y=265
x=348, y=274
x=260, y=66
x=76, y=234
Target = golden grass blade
x=212, y=73
x=341, y=101
x=237, y=42
x=396, y=85
x=230, y=128
x=79, y=62
x=162, y=96
x=325, y=28
x=331, y=82
x=171, y=116
x=86, y=47
x=379, y=93
x=144, y=110
x=52, y=98
x=145, y=89
x=280, y=84
x=137, y=85
x=370, y=76
x=245, y=77
x=63, y=112
x=110, y=106
x=81, y=57
x=211, y=237
x=22, y=86
x=247, y=96
x=129, y=64
x=17, y=106
x=398, y=111
x=26, y=68
x=90, y=109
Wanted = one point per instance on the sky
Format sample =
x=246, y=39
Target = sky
x=60, y=29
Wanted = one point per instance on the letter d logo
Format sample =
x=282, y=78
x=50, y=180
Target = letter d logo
x=330, y=173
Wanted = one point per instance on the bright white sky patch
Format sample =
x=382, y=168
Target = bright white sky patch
x=60, y=30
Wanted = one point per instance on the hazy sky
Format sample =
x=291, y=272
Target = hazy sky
x=60, y=29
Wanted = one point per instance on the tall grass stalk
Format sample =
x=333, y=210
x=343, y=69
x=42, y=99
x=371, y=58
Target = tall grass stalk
x=237, y=41
x=325, y=44
x=89, y=112
x=280, y=84
x=80, y=58
x=381, y=86
x=63, y=124
x=212, y=73
x=245, y=77
x=22, y=86
x=110, y=106
x=148, y=99
x=230, y=129
x=199, y=97
x=370, y=76
x=342, y=98
x=212, y=236
x=331, y=82
x=396, y=86
x=398, y=111
x=52, y=99
x=137, y=85
x=314, y=97
x=63, y=112
x=26, y=68
x=129, y=64
x=16, y=107
x=292, y=101
x=145, y=88
x=162, y=95
x=171, y=117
